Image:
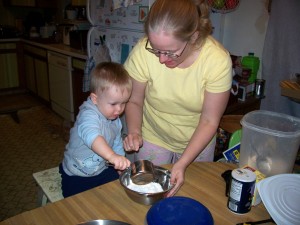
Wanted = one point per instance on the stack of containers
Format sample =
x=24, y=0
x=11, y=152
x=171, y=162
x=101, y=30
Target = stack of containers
x=251, y=62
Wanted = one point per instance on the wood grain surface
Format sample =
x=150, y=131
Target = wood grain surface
x=110, y=202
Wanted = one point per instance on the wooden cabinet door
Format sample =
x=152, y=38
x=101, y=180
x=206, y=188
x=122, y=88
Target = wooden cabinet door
x=46, y=3
x=9, y=71
x=42, y=80
x=36, y=71
x=22, y=3
x=9, y=75
x=78, y=2
x=30, y=73
x=31, y=3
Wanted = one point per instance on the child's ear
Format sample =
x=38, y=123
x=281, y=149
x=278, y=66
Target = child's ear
x=93, y=98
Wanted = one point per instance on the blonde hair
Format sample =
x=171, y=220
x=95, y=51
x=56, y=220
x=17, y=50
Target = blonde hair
x=108, y=74
x=181, y=18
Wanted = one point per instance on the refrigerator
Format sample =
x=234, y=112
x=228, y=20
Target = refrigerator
x=121, y=22
x=117, y=23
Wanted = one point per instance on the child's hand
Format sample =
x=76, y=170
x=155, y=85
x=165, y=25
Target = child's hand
x=119, y=162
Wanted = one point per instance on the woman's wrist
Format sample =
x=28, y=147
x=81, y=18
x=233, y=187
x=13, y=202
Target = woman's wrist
x=136, y=133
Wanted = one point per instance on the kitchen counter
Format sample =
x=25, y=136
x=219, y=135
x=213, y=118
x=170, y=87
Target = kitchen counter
x=57, y=47
x=290, y=89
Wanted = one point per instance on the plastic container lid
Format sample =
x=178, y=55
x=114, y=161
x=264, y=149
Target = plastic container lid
x=243, y=175
x=178, y=211
x=281, y=196
x=272, y=123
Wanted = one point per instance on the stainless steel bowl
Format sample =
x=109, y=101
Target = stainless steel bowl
x=142, y=172
x=162, y=176
x=103, y=222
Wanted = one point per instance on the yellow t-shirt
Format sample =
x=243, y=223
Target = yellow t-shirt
x=174, y=97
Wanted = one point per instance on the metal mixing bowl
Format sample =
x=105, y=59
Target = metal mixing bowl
x=103, y=222
x=162, y=176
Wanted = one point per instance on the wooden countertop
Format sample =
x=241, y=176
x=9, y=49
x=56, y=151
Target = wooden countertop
x=57, y=47
x=290, y=89
x=110, y=202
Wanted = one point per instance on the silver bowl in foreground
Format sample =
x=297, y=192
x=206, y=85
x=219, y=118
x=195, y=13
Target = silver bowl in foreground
x=103, y=222
x=162, y=176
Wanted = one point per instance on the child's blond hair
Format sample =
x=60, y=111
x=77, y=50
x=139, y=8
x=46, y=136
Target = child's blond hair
x=107, y=74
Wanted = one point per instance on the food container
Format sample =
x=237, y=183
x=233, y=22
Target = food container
x=47, y=31
x=162, y=176
x=270, y=142
x=251, y=62
x=241, y=190
x=71, y=14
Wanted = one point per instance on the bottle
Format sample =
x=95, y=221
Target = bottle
x=251, y=62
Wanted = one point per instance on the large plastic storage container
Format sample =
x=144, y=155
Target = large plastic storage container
x=270, y=141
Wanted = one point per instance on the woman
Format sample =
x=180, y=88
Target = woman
x=181, y=85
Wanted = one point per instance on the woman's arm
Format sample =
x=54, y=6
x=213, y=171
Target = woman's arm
x=134, y=116
x=213, y=108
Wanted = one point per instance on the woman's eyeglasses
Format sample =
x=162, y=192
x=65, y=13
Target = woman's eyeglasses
x=168, y=54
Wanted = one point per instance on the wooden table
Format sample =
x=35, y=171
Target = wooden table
x=203, y=183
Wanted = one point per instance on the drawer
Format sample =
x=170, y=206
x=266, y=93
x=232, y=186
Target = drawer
x=59, y=60
x=6, y=46
x=78, y=64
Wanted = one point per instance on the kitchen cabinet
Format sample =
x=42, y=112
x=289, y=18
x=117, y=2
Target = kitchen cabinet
x=78, y=2
x=77, y=81
x=60, y=82
x=9, y=76
x=31, y=3
x=36, y=71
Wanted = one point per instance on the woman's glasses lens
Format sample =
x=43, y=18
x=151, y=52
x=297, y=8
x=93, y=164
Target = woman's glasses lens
x=168, y=54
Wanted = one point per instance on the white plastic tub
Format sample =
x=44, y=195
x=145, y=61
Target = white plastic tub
x=270, y=141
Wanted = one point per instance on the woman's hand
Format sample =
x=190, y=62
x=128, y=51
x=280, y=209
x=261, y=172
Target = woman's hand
x=132, y=142
x=177, y=178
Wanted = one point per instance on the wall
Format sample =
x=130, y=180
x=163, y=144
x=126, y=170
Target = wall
x=244, y=29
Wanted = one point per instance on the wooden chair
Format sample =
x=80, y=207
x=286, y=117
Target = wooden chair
x=49, y=182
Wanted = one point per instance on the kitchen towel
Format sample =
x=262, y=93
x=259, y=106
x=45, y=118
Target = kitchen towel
x=89, y=66
x=123, y=3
